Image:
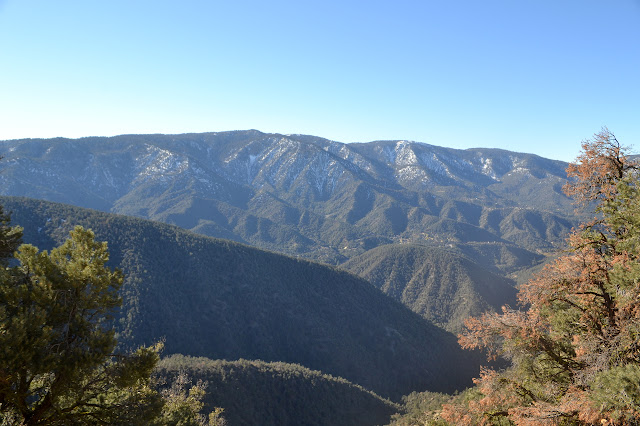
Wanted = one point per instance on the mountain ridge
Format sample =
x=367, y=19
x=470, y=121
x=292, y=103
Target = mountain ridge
x=301, y=195
x=255, y=392
x=442, y=285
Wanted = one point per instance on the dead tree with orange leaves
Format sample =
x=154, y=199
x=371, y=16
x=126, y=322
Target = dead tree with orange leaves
x=574, y=347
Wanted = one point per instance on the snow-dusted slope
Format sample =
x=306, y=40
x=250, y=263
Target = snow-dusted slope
x=299, y=194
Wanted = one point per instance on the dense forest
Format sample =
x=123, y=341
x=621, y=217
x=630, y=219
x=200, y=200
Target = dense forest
x=276, y=393
x=442, y=285
x=223, y=300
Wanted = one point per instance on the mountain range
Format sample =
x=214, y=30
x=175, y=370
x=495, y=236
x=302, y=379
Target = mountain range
x=398, y=226
x=498, y=215
x=304, y=195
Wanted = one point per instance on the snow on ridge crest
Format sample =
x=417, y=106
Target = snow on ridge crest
x=404, y=154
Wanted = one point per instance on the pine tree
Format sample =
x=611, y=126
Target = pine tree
x=10, y=237
x=57, y=349
x=574, y=348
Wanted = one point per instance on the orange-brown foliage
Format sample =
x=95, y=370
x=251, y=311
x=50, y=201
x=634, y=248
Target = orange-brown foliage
x=582, y=313
x=599, y=166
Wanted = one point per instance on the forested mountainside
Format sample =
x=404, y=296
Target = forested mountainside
x=305, y=195
x=442, y=285
x=276, y=393
x=223, y=300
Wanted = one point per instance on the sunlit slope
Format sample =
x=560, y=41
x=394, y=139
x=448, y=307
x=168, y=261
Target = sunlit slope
x=442, y=285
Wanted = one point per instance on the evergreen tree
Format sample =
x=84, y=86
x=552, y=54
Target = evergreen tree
x=10, y=237
x=575, y=350
x=57, y=360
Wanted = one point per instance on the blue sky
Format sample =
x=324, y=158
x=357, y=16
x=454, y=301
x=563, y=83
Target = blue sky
x=526, y=75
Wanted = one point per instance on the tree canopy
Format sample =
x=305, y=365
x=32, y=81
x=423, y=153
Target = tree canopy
x=574, y=347
x=58, y=359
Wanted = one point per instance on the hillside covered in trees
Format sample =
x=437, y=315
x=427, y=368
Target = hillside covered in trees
x=223, y=300
x=439, y=284
x=276, y=393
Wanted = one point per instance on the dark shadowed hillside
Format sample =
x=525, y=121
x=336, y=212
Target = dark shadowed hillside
x=223, y=300
x=260, y=393
x=439, y=284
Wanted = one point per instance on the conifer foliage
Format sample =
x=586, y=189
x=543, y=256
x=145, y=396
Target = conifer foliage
x=574, y=348
x=57, y=360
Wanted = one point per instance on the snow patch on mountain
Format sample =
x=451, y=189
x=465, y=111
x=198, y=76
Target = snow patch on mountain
x=412, y=174
x=487, y=168
x=519, y=166
x=159, y=164
x=404, y=155
x=352, y=158
x=434, y=164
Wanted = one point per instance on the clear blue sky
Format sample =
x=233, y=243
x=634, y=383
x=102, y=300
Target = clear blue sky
x=527, y=75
